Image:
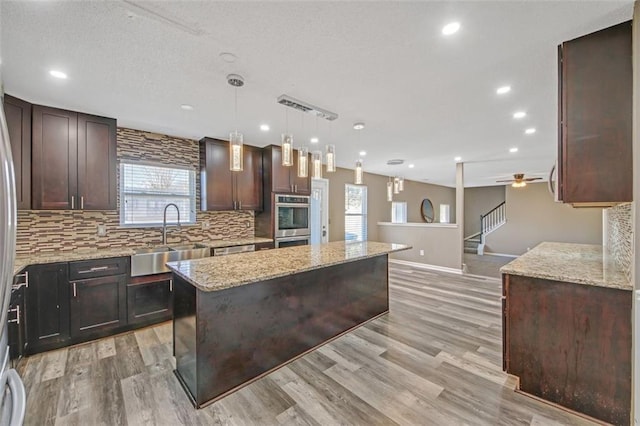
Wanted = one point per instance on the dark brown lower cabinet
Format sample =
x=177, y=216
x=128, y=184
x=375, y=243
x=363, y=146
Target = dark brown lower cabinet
x=17, y=333
x=97, y=305
x=570, y=344
x=149, y=299
x=47, y=307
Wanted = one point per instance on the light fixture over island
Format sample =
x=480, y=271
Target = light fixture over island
x=236, y=318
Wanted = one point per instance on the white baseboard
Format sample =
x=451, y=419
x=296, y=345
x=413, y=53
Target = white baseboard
x=490, y=253
x=427, y=266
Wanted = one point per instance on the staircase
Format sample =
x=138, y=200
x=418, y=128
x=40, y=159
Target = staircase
x=489, y=222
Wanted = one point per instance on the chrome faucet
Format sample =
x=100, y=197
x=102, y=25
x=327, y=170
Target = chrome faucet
x=164, y=222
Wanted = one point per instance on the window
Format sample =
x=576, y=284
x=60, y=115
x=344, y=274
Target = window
x=355, y=212
x=399, y=212
x=145, y=190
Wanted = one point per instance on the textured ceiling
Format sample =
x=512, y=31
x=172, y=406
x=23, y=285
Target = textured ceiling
x=424, y=97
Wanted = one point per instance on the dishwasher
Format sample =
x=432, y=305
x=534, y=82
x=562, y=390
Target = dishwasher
x=223, y=251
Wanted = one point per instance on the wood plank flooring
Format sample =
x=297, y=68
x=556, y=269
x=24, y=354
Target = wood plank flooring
x=435, y=359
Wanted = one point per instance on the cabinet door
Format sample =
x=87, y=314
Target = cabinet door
x=216, y=178
x=248, y=183
x=281, y=182
x=96, y=163
x=595, y=159
x=18, y=114
x=54, y=159
x=149, y=299
x=301, y=185
x=47, y=307
x=16, y=327
x=97, y=305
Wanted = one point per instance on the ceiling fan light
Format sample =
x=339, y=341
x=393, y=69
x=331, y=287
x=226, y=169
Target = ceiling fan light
x=520, y=184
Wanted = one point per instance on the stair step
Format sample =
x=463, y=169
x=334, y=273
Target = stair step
x=471, y=250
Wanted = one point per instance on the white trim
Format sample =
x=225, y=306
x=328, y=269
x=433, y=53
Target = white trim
x=421, y=225
x=427, y=266
x=501, y=254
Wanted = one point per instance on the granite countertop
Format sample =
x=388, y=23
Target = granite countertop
x=575, y=263
x=22, y=261
x=223, y=272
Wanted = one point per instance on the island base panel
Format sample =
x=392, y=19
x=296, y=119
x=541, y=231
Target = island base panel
x=243, y=332
x=571, y=344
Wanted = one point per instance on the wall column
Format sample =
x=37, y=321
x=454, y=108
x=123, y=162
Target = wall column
x=460, y=209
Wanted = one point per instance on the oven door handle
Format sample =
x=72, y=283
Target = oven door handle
x=286, y=240
x=292, y=205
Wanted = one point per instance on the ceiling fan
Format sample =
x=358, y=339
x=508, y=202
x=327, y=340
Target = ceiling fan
x=519, y=180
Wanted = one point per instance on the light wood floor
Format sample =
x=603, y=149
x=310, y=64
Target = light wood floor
x=435, y=359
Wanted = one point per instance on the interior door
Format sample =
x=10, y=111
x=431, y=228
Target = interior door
x=319, y=211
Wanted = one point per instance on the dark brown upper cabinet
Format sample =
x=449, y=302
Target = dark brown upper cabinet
x=74, y=160
x=283, y=179
x=595, y=118
x=18, y=115
x=222, y=189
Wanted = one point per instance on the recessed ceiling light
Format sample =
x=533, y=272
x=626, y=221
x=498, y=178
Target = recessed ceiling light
x=451, y=28
x=358, y=126
x=228, y=57
x=519, y=114
x=265, y=127
x=458, y=159
x=411, y=166
x=363, y=153
x=314, y=140
x=530, y=131
x=186, y=107
x=512, y=150
x=502, y=90
x=58, y=74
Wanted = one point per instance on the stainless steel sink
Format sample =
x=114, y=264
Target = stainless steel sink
x=148, y=261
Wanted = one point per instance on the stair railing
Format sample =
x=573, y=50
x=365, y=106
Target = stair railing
x=492, y=219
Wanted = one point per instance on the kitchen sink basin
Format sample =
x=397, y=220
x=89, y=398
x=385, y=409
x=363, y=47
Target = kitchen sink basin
x=148, y=261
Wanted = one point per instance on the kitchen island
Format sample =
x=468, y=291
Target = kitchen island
x=567, y=329
x=236, y=318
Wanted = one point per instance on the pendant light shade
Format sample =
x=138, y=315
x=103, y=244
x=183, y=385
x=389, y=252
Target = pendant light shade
x=235, y=151
x=396, y=185
x=358, y=173
x=389, y=191
x=401, y=184
x=287, y=149
x=331, y=158
x=316, y=164
x=235, y=137
x=303, y=162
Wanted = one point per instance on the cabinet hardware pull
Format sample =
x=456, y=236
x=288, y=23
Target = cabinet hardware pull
x=94, y=269
x=75, y=294
x=25, y=283
x=73, y=202
x=82, y=202
x=240, y=204
x=17, y=311
x=171, y=286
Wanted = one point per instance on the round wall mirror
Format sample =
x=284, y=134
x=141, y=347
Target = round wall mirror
x=426, y=209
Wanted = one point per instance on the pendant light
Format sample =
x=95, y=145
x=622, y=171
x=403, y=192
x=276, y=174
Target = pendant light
x=236, y=138
x=316, y=165
x=396, y=185
x=401, y=184
x=330, y=155
x=389, y=191
x=303, y=162
x=358, y=173
x=287, y=143
x=358, y=178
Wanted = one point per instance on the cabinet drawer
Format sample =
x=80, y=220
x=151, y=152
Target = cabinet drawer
x=98, y=268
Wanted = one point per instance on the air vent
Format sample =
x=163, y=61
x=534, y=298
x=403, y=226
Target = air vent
x=306, y=107
x=395, y=162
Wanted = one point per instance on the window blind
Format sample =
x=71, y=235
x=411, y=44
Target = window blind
x=146, y=189
x=355, y=218
x=399, y=212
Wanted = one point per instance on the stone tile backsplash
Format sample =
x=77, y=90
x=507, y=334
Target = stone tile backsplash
x=620, y=236
x=61, y=230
